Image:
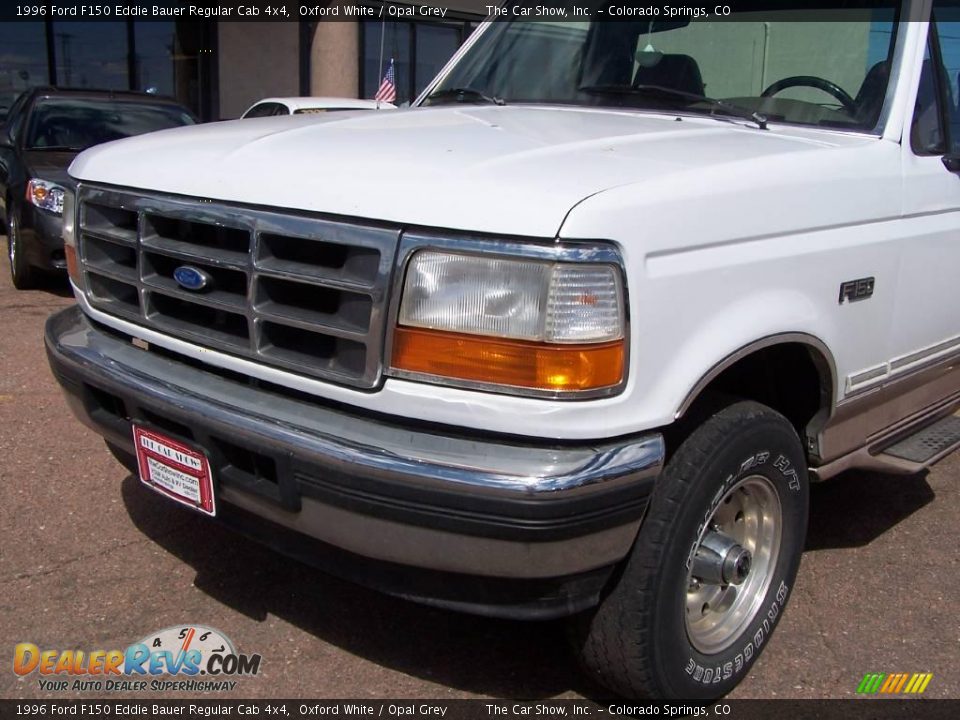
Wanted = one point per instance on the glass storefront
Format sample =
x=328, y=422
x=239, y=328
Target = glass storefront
x=163, y=57
x=418, y=50
x=179, y=58
x=156, y=45
x=23, y=60
x=91, y=55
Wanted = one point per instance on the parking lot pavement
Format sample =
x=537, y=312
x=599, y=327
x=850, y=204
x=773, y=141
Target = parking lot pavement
x=89, y=559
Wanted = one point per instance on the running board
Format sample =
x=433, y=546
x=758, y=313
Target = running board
x=927, y=445
x=904, y=453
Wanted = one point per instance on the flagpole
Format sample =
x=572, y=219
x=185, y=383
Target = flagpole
x=383, y=35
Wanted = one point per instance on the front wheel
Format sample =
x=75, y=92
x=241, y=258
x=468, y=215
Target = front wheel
x=712, y=567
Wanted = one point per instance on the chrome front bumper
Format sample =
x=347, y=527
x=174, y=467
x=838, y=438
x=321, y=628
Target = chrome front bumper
x=409, y=495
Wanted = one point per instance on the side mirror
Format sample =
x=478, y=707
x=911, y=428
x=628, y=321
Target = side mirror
x=952, y=162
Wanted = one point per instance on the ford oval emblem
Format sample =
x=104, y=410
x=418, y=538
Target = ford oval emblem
x=190, y=278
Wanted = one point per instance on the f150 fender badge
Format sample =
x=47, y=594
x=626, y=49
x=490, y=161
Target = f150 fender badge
x=854, y=290
x=190, y=278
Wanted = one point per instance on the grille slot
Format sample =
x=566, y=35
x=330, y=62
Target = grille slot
x=208, y=236
x=308, y=257
x=252, y=466
x=110, y=294
x=297, y=346
x=188, y=317
x=111, y=256
x=115, y=223
x=334, y=309
x=290, y=290
x=166, y=424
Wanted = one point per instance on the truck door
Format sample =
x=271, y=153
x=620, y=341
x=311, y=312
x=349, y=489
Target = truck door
x=926, y=327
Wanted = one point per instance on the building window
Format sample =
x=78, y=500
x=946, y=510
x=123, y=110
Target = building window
x=435, y=45
x=155, y=52
x=418, y=51
x=169, y=59
x=92, y=55
x=23, y=60
x=396, y=46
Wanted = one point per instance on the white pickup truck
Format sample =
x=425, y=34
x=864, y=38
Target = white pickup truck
x=567, y=338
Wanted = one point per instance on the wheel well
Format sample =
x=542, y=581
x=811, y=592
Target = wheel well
x=793, y=378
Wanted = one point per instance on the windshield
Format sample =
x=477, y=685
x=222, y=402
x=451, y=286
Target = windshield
x=77, y=124
x=827, y=68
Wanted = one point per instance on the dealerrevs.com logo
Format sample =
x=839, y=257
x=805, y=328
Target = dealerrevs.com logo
x=191, y=658
x=894, y=683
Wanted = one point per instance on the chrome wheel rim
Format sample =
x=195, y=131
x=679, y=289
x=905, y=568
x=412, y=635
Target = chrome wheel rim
x=11, y=241
x=733, y=564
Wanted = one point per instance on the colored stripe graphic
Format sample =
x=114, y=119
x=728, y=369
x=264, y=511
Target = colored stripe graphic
x=870, y=683
x=894, y=683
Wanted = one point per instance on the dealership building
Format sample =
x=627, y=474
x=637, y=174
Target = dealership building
x=218, y=69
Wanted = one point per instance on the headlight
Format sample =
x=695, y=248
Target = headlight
x=546, y=326
x=45, y=195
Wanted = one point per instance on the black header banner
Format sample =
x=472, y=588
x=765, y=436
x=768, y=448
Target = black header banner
x=111, y=707
x=387, y=11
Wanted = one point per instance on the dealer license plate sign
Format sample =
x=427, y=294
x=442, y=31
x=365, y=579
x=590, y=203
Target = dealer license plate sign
x=173, y=469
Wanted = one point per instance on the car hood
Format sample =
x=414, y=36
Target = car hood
x=514, y=170
x=49, y=165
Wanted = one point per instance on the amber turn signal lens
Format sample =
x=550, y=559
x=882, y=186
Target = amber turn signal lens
x=73, y=269
x=539, y=366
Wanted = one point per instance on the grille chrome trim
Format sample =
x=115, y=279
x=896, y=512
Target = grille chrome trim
x=262, y=302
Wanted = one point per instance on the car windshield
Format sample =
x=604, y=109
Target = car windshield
x=820, y=67
x=75, y=124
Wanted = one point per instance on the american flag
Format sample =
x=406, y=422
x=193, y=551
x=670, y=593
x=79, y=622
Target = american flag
x=388, y=88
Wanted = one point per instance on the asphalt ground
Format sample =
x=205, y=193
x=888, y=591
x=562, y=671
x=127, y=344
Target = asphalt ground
x=90, y=559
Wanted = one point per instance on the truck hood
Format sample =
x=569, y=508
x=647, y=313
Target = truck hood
x=514, y=170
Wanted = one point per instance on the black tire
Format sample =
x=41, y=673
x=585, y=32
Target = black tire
x=22, y=274
x=638, y=642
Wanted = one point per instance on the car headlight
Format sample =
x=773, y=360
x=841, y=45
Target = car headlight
x=521, y=323
x=45, y=195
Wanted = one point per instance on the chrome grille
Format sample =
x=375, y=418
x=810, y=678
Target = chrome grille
x=292, y=291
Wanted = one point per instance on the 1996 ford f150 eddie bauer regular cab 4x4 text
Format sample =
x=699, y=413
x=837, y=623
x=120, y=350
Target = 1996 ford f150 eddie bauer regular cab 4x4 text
x=568, y=338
